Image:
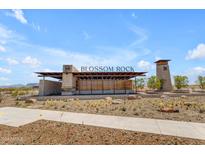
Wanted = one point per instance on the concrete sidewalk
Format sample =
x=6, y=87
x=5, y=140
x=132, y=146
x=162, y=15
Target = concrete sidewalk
x=12, y=116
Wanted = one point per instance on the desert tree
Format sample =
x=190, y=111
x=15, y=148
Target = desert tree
x=154, y=82
x=181, y=81
x=140, y=83
x=201, y=81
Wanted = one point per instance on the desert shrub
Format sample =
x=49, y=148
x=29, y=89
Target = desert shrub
x=154, y=83
x=50, y=103
x=140, y=83
x=14, y=93
x=202, y=109
x=123, y=109
x=181, y=81
x=21, y=104
x=19, y=91
x=201, y=82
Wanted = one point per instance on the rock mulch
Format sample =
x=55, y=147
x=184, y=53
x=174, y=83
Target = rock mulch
x=49, y=132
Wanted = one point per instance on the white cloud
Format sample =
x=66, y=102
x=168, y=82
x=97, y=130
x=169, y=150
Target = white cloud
x=196, y=53
x=7, y=36
x=145, y=65
x=5, y=70
x=2, y=49
x=55, y=52
x=36, y=27
x=12, y=61
x=157, y=58
x=198, y=70
x=48, y=70
x=122, y=56
x=3, y=79
x=140, y=33
x=19, y=15
x=86, y=35
x=33, y=62
x=134, y=15
x=193, y=73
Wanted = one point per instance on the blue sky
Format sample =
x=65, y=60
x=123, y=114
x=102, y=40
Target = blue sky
x=44, y=40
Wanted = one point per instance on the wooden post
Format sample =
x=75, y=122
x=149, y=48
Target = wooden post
x=125, y=85
x=91, y=85
x=114, y=86
x=78, y=81
x=43, y=85
x=135, y=85
x=102, y=86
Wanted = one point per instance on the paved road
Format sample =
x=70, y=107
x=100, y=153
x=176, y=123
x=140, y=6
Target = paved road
x=15, y=117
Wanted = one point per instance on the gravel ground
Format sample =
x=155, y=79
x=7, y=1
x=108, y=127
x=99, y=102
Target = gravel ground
x=191, y=109
x=49, y=132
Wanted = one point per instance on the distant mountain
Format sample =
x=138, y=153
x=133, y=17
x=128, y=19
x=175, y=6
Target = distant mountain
x=31, y=84
x=13, y=86
x=20, y=85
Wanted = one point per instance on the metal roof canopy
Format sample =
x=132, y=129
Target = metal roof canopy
x=94, y=75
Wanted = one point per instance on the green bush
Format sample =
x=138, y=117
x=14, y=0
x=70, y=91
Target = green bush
x=140, y=83
x=201, y=81
x=181, y=81
x=154, y=83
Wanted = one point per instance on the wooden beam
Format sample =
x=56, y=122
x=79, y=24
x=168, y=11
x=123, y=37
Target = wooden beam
x=102, y=86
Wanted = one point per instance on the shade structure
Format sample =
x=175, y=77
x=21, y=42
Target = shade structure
x=93, y=75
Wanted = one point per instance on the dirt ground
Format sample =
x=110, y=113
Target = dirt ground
x=191, y=109
x=47, y=132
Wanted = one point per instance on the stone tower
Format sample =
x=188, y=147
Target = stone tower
x=163, y=73
x=68, y=80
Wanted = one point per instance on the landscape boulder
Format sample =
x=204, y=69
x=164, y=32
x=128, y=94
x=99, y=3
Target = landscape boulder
x=132, y=97
x=183, y=96
x=139, y=97
x=168, y=110
x=117, y=101
x=30, y=101
x=164, y=96
x=108, y=98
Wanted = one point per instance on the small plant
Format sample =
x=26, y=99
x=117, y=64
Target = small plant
x=161, y=105
x=123, y=109
x=181, y=81
x=1, y=98
x=50, y=103
x=202, y=109
x=97, y=110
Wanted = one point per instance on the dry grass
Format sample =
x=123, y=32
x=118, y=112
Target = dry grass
x=190, y=108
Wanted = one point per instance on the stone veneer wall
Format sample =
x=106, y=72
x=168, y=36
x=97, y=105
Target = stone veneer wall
x=47, y=87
